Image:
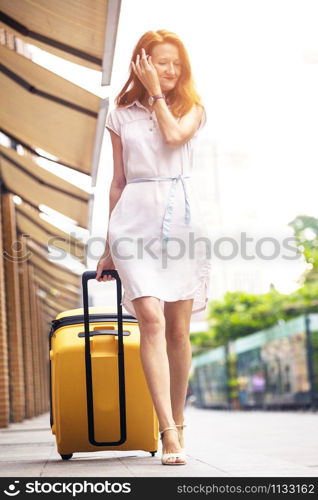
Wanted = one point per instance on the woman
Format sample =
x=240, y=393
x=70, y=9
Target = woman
x=152, y=129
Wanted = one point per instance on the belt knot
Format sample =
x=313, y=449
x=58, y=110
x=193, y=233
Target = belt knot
x=169, y=208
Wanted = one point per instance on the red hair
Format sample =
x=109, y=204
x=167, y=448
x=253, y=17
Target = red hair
x=183, y=96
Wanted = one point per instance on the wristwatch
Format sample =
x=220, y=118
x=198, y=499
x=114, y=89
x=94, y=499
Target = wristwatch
x=152, y=99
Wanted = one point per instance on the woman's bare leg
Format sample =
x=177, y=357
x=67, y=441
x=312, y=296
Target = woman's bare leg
x=155, y=364
x=178, y=316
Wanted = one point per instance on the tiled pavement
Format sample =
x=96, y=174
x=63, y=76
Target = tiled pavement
x=219, y=444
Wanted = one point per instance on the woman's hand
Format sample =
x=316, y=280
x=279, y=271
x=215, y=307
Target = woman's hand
x=105, y=262
x=147, y=73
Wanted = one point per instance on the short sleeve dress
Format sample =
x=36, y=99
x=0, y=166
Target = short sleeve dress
x=157, y=233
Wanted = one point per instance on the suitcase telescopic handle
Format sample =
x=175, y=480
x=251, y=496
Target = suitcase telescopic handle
x=88, y=275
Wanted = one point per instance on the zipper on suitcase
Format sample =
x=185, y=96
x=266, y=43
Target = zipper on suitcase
x=79, y=319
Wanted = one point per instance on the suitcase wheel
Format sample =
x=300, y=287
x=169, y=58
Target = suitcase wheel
x=67, y=457
x=153, y=453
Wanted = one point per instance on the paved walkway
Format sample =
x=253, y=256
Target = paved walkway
x=219, y=444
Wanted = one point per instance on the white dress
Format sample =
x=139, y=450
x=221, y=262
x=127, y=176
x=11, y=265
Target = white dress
x=155, y=226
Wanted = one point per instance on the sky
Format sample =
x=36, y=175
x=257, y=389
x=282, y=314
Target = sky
x=255, y=63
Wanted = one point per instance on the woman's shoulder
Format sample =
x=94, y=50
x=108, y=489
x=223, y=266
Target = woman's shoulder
x=118, y=116
x=115, y=119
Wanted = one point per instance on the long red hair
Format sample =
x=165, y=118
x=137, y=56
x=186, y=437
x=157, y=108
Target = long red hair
x=183, y=96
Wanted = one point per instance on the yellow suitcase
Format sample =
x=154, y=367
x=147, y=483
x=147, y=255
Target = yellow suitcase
x=98, y=392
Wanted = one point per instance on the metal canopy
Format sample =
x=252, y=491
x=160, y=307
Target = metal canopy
x=83, y=32
x=23, y=177
x=30, y=222
x=46, y=111
x=55, y=271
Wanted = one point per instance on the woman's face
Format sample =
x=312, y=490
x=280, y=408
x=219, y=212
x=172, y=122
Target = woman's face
x=166, y=59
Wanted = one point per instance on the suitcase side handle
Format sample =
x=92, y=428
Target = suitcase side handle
x=87, y=275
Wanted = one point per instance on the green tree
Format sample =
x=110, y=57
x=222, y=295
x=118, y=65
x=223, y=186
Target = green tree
x=301, y=301
x=240, y=314
x=306, y=237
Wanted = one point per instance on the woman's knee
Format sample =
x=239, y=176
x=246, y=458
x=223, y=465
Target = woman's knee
x=149, y=313
x=178, y=334
x=177, y=329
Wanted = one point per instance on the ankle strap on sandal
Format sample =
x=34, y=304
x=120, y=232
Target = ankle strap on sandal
x=181, y=425
x=168, y=428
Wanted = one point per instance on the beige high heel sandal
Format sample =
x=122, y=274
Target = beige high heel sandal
x=177, y=455
x=181, y=427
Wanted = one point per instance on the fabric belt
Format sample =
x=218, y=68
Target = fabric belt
x=169, y=208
